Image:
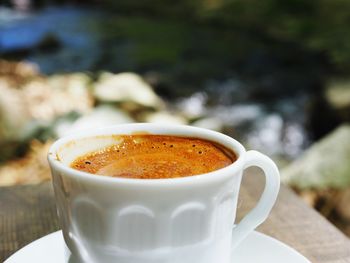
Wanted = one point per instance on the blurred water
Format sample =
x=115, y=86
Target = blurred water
x=278, y=129
x=78, y=46
x=201, y=77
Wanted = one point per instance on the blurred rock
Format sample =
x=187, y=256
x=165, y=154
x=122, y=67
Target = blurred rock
x=38, y=102
x=324, y=165
x=165, y=117
x=126, y=87
x=100, y=117
x=14, y=114
x=338, y=96
x=209, y=123
x=310, y=197
x=31, y=169
x=16, y=74
x=58, y=95
x=18, y=69
x=343, y=205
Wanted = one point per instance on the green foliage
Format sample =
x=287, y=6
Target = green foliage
x=321, y=26
x=163, y=42
x=140, y=41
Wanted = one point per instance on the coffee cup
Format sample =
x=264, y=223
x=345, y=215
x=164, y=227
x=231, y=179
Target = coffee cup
x=174, y=220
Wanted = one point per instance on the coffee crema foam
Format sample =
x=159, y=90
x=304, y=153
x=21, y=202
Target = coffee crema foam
x=156, y=157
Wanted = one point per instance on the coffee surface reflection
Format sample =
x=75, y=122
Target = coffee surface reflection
x=156, y=156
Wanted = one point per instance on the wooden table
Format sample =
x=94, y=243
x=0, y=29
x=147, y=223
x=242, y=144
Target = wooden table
x=28, y=212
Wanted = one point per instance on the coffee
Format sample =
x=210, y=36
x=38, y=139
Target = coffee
x=147, y=156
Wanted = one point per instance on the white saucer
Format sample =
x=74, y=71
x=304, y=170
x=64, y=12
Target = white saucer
x=257, y=248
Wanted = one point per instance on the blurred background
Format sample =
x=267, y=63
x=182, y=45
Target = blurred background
x=273, y=74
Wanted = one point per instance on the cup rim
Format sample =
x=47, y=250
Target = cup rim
x=151, y=128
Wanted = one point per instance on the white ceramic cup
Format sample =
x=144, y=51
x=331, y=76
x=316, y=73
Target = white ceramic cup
x=179, y=220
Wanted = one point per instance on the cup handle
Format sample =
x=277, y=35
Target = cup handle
x=268, y=198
